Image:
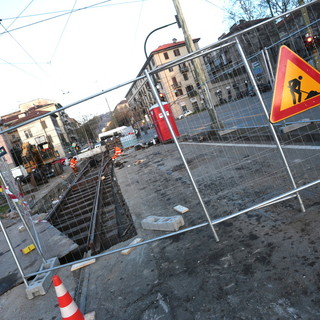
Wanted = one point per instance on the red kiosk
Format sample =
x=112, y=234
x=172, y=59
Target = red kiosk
x=159, y=121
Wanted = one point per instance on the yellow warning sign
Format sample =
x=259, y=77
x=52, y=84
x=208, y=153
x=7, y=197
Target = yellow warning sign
x=297, y=86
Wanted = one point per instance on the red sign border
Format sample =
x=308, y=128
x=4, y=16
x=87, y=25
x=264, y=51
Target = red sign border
x=285, y=55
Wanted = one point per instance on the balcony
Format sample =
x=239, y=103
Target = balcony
x=184, y=69
x=176, y=85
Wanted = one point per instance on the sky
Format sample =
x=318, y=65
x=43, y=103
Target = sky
x=46, y=52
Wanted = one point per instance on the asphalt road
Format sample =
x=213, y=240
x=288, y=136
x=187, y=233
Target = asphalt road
x=243, y=113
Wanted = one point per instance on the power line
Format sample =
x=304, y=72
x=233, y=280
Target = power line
x=15, y=66
x=29, y=55
x=64, y=12
x=65, y=26
x=223, y=9
x=20, y=14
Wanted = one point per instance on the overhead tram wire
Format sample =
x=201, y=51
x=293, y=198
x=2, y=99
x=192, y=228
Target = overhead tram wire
x=99, y=4
x=29, y=55
x=15, y=19
x=26, y=72
x=64, y=28
x=215, y=5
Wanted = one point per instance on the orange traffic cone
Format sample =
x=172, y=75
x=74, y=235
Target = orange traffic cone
x=69, y=309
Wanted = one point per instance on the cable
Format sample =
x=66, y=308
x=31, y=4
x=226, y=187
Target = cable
x=13, y=65
x=65, y=13
x=20, y=14
x=29, y=55
x=215, y=5
x=65, y=26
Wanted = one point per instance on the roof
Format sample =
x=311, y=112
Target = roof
x=172, y=45
x=29, y=116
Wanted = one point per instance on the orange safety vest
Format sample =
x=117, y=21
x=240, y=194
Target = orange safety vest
x=73, y=163
x=117, y=151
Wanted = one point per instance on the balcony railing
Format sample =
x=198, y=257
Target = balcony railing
x=184, y=69
x=176, y=85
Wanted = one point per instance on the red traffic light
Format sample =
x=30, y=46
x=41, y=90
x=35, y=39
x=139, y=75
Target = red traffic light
x=309, y=39
x=162, y=96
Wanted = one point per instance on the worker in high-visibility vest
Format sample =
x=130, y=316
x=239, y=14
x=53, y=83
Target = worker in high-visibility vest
x=117, y=152
x=73, y=164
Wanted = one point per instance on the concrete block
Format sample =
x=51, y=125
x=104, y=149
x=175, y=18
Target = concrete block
x=181, y=209
x=41, y=283
x=162, y=223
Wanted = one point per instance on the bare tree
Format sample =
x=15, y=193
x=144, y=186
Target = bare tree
x=256, y=9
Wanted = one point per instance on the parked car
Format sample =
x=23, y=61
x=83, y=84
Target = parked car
x=185, y=114
x=97, y=145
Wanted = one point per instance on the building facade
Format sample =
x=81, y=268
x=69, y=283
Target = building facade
x=176, y=85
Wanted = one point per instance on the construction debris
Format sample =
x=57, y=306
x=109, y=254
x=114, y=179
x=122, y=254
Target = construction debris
x=181, y=209
x=162, y=223
x=135, y=241
x=28, y=249
x=82, y=264
x=138, y=162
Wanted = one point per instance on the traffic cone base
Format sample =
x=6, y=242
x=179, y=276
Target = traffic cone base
x=69, y=309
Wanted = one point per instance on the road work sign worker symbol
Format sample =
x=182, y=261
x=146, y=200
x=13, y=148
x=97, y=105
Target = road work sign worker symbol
x=297, y=86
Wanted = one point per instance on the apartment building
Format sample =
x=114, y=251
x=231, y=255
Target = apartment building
x=58, y=128
x=176, y=85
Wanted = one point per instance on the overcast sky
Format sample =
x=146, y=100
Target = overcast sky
x=72, y=56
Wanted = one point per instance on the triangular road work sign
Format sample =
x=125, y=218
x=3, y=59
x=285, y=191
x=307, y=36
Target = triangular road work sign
x=297, y=86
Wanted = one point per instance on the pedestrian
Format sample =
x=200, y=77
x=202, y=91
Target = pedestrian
x=144, y=129
x=73, y=165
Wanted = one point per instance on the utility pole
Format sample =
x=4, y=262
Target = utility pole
x=306, y=19
x=114, y=120
x=199, y=74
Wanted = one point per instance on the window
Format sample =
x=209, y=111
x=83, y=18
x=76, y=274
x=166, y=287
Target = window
x=28, y=133
x=174, y=80
x=170, y=69
x=166, y=55
x=43, y=124
x=190, y=91
x=178, y=92
x=152, y=62
x=176, y=52
x=185, y=76
x=195, y=106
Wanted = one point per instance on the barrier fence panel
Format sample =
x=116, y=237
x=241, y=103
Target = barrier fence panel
x=199, y=149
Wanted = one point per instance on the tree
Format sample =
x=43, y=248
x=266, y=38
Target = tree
x=89, y=129
x=257, y=9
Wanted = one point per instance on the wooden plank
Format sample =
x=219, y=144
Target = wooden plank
x=135, y=241
x=82, y=264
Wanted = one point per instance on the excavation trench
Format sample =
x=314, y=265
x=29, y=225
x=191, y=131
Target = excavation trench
x=93, y=212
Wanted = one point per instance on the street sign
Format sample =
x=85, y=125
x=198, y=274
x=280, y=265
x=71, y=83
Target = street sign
x=2, y=151
x=297, y=86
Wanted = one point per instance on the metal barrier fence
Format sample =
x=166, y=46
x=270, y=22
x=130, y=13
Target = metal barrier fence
x=226, y=158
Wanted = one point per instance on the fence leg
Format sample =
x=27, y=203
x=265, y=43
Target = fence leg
x=155, y=94
x=13, y=253
x=270, y=125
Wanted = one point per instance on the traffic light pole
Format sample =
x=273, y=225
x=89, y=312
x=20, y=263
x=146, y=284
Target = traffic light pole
x=306, y=19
